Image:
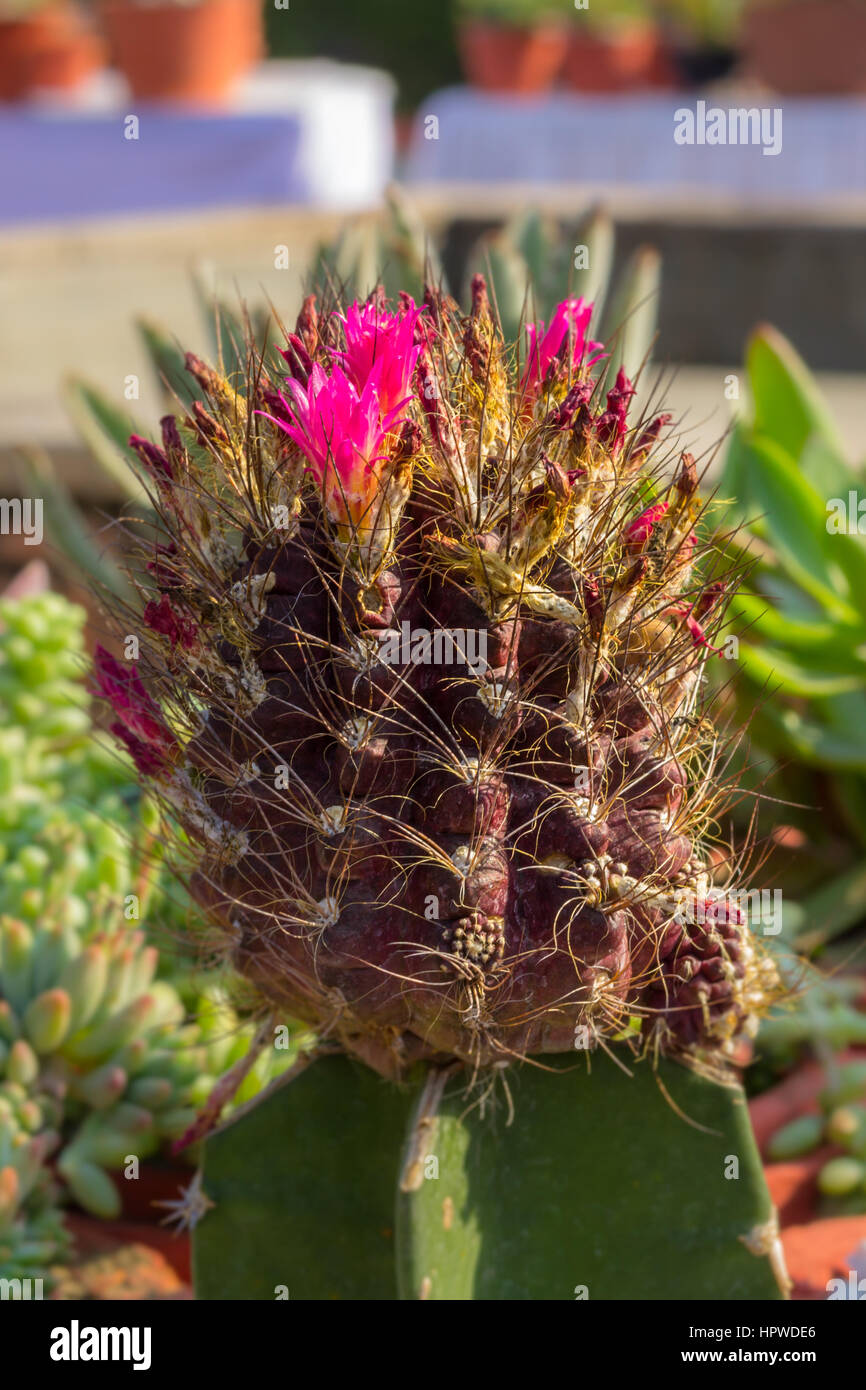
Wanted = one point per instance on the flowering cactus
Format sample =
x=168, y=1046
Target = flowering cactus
x=426, y=859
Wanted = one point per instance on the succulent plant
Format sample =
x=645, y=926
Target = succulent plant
x=802, y=617
x=841, y=1121
x=418, y=680
x=97, y=1059
x=31, y=1230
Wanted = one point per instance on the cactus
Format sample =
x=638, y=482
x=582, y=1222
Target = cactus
x=455, y=864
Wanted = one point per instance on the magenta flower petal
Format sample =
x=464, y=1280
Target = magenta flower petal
x=548, y=344
x=638, y=531
x=119, y=683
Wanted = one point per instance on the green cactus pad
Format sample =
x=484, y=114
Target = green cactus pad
x=303, y=1187
x=601, y=1182
x=601, y=1188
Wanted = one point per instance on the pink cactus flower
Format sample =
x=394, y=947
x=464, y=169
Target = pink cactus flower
x=344, y=436
x=639, y=531
x=345, y=422
x=546, y=344
x=381, y=347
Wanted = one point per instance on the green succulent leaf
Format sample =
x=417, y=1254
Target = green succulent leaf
x=816, y=745
x=839, y=646
x=67, y=528
x=778, y=671
x=169, y=365
x=597, y=234
x=509, y=283
x=833, y=909
x=225, y=327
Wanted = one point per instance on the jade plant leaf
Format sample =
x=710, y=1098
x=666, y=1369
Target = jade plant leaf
x=600, y=1188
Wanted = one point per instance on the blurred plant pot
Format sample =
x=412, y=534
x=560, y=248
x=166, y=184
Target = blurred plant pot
x=49, y=50
x=622, y=59
x=807, y=47
x=698, y=66
x=190, y=53
x=94, y=1237
x=159, y=1180
x=524, y=60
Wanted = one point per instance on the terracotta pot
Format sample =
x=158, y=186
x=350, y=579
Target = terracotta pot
x=189, y=53
x=505, y=58
x=94, y=1239
x=159, y=1180
x=807, y=47
x=50, y=50
x=620, y=60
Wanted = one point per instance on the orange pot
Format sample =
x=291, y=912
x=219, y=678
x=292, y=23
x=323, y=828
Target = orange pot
x=807, y=47
x=502, y=58
x=193, y=53
x=621, y=60
x=50, y=50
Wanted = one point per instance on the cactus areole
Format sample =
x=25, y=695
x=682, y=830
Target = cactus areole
x=421, y=645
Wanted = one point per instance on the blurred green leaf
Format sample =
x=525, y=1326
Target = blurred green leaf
x=631, y=318
x=795, y=519
x=67, y=530
x=225, y=327
x=816, y=745
x=789, y=408
x=105, y=429
x=833, y=909
x=511, y=290
x=778, y=671
x=167, y=359
x=597, y=234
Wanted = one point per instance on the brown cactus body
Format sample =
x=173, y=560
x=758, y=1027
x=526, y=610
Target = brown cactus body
x=436, y=747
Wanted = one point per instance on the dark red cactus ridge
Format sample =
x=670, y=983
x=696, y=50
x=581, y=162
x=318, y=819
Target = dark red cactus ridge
x=443, y=769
